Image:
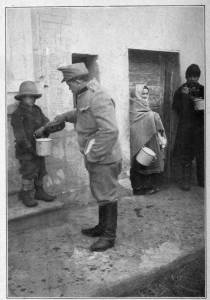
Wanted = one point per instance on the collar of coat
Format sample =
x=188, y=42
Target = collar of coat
x=26, y=107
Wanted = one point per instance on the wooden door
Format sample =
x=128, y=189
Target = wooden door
x=172, y=81
x=147, y=67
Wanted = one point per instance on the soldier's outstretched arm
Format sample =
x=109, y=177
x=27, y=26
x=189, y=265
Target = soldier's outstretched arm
x=69, y=116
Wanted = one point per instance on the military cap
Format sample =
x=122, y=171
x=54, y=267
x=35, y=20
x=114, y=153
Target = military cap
x=73, y=71
x=27, y=88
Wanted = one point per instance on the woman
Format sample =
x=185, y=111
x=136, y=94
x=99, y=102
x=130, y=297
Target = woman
x=146, y=129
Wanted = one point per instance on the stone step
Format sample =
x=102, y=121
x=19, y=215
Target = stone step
x=21, y=217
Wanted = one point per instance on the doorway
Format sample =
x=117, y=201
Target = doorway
x=90, y=61
x=91, y=64
x=160, y=72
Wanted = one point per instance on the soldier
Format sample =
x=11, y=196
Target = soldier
x=27, y=120
x=189, y=143
x=97, y=131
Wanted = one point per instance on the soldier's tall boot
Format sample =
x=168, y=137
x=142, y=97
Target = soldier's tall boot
x=40, y=193
x=186, y=177
x=99, y=228
x=107, y=240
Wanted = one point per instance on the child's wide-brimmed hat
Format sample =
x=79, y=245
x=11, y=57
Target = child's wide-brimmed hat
x=28, y=88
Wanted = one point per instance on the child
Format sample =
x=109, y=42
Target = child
x=27, y=120
x=146, y=129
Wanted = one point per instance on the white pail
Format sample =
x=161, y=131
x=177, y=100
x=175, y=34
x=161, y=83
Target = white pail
x=146, y=156
x=198, y=103
x=43, y=146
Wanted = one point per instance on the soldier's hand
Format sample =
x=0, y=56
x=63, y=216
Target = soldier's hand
x=185, y=90
x=60, y=118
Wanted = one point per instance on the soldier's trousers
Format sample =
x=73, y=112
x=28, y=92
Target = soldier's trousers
x=104, y=181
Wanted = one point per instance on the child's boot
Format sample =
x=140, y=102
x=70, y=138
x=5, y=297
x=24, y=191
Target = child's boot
x=40, y=193
x=26, y=195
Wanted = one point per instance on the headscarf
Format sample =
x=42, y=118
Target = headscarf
x=138, y=105
x=142, y=121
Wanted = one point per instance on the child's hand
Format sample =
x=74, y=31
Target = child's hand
x=39, y=132
x=185, y=90
x=162, y=140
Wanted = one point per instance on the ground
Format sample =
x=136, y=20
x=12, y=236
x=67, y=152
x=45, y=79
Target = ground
x=153, y=232
x=185, y=280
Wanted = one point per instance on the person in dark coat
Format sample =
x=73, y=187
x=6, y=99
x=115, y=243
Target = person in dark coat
x=189, y=142
x=97, y=132
x=27, y=120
